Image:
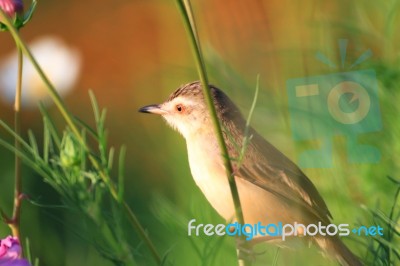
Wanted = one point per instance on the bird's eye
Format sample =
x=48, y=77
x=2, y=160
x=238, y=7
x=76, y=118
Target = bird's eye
x=179, y=107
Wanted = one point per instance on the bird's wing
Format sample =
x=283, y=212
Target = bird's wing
x=269, y=169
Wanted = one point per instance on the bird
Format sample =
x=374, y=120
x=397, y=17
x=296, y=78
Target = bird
x=271, y=187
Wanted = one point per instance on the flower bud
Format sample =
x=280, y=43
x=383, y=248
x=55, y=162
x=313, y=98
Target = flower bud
x=12, y=7
x=70, y=154
x=15, y=10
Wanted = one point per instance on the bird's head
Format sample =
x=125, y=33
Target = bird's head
x=186, y=110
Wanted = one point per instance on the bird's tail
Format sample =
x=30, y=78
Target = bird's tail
x=335, y=248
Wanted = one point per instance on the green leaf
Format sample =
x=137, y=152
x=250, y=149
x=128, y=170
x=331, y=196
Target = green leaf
x=121, y=173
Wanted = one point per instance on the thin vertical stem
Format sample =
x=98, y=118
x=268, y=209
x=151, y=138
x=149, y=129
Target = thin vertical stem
x=190, y=25
x=188, y=18
x=15, y=221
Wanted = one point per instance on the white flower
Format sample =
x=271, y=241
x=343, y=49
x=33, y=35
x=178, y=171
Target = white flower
x=61, y=64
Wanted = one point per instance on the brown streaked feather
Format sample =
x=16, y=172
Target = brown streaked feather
x=273, y=172
x=192, y=89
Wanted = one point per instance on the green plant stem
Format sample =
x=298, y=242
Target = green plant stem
x=188, y=17
x=69, y=120
x=135, y=222
x=189, y=22
x=15, y=221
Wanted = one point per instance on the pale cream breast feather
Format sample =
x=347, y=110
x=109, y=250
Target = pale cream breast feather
x=209, y=175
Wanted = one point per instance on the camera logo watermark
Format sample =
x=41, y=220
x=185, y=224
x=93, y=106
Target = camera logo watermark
x=280, y=230
x=344, y=103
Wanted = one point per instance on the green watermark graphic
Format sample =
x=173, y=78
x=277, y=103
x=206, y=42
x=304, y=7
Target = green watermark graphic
x=344, y=103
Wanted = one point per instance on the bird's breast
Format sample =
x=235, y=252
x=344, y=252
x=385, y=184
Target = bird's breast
x=209, y=175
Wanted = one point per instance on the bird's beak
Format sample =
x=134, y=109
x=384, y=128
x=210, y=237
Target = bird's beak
x=153, y=109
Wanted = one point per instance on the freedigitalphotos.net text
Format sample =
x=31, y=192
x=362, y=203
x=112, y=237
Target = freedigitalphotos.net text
x=280, y=230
